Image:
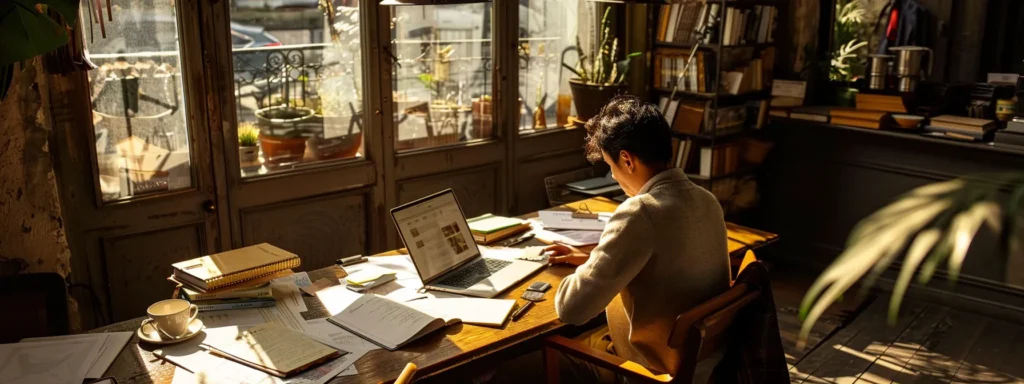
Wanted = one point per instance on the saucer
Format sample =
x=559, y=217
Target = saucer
x=152, y=336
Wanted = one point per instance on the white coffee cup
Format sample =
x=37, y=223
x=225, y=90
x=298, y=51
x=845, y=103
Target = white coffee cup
x=171, y=317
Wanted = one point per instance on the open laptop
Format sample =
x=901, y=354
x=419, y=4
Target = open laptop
x=439, y=241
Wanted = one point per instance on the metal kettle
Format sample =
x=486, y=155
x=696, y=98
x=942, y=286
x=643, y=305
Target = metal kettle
x=908, y=66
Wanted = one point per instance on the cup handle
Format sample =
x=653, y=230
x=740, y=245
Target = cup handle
x=150, y=323
x=193, y=311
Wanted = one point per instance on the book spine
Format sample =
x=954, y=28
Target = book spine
x=230, y=295
x=239, y=305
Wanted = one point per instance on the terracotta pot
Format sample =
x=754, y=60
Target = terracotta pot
x=282, y=149
x=589, y=98
x=282, y=116
x=340, y=147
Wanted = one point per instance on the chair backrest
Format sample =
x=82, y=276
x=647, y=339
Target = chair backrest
x=35, y=305
x=704, y=331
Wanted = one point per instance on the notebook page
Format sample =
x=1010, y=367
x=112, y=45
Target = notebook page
x=270, y=345
x=492, y=312
x=386, y=321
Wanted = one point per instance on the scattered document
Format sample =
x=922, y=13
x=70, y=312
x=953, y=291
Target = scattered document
x=387, y=323
x=487, y=312
x=575, y=238
x=564, y=220
x=300, y=279
x=111, y=345
x=269, y=347
x=56, y=362
x=210, y=369
x=337, y=337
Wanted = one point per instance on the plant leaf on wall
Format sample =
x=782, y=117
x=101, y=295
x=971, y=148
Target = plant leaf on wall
x=31, y=32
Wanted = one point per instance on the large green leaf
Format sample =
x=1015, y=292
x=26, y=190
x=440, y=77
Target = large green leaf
x=27, y=32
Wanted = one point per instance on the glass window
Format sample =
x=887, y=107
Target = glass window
x=142, y=139
x=442, y=79
x=547, y=36
x=298, y=82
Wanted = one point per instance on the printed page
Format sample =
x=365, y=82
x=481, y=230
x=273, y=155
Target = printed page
x=269, y=345
x=492, y=312
x=337, y=337
x=386, y=321
x=112, y=344
x=63, y=361
x=210, y=369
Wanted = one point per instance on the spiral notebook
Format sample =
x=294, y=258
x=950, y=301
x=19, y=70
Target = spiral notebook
x=235, y=266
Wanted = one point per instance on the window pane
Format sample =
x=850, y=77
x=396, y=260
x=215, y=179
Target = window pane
x=547, y=35
x=442, y=82
x=298, y=83
x=142, y=139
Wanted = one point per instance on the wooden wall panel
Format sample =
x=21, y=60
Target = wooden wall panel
x=138, y=265
x=320, y=229
x=476, y=189
x=530, y=194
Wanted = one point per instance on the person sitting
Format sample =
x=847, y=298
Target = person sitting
x=662, y=252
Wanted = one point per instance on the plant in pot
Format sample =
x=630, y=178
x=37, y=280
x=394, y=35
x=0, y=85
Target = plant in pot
x=599, y=77
x=289, y=147
x=248, y=139
x=845, y=63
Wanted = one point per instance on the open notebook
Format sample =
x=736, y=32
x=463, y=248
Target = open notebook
x=270, y=348
x=391, y=324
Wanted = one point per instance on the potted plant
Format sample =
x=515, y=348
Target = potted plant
x=930, y=227
x=289, y=147
x=248, y=139
x=845, y=64
x=598, y=76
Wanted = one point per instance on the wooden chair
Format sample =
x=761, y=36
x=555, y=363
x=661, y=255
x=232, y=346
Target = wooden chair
x=36, y=305
x=699, y=334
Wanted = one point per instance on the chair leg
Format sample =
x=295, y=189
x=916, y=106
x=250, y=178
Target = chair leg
x=551, y=366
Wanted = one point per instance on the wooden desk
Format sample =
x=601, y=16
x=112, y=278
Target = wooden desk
x=455, y=346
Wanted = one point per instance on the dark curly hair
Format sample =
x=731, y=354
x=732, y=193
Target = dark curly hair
x=628, y=123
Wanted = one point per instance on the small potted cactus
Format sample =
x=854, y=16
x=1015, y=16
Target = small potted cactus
x=599, y=77
x=248, y=141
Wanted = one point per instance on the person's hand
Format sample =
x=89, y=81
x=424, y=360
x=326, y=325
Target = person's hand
x=564, y=254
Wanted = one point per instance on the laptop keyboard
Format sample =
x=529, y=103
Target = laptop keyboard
x=473, y=273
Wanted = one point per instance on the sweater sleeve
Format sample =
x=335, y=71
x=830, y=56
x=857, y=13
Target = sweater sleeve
x=623, y=250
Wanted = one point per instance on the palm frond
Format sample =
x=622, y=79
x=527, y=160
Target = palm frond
x=929, y=226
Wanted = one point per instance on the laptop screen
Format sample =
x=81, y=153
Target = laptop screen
x=435, y=231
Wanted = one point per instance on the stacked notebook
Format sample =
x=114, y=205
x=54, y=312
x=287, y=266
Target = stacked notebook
x=234, y=279
x=1013, y=135
x=961, y=127
x=489, y=228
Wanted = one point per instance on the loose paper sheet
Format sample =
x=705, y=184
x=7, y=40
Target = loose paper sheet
x=210, y=369
x=111, y=345
x=564, y=220
x=57, y=362
x=337, y=337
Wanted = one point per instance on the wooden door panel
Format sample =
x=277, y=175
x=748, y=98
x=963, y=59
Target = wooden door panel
x=529, y=190
x=138, y=265
x=476, y=189
x=320, y=229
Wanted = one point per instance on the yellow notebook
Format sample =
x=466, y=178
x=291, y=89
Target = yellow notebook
x=235, y=266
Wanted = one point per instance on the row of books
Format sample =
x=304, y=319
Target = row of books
x=693, y=117
x=687, y=22
x=235, y=279
x=670, y=63
x=698, y=22
x=958, y=127
x=752, y=77
x=706, y=161
x=749, y=26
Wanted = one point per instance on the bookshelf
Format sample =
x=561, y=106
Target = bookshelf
x=725, y=103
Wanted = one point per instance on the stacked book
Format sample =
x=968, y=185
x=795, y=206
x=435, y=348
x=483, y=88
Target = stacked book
x=670, y=63
x=234, y=279
x=1013, y=135
x=861, y=118
x=960, y=127
x=490, y=228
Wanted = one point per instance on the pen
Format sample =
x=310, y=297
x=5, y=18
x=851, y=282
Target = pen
x=521, y=311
